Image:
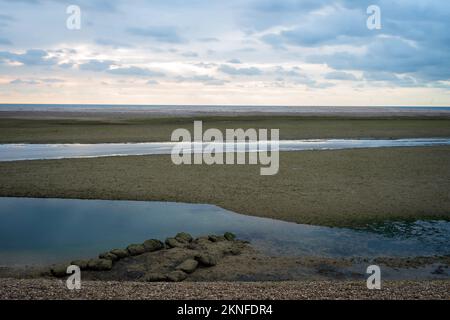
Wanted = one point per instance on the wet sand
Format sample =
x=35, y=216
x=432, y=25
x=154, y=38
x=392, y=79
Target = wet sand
x=343, y=188
x=97, y=129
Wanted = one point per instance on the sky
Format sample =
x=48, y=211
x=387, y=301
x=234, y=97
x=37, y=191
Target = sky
x=226, y=52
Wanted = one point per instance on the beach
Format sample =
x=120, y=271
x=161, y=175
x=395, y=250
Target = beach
x=104, y=127
x=38, y=289
x=350, y=188
x=332, y=188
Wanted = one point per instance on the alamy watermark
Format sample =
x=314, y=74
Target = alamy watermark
x=374, y=280
x=374, y=19
x=73, y=21
x=73, y=282
x=240, y=146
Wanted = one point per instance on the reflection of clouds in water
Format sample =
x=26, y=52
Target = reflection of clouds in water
x=43, y=226
x=11, y=152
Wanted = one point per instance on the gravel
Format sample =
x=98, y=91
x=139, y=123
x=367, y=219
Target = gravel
x=56, y=289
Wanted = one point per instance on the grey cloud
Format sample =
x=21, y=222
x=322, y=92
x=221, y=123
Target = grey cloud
x=251, y=71
x=234, y=61
x=208, y=39
x=340, y=75
x=391, y=78
x=157, y=33
x=135, y=71
x=190, y=54
x=33, y=57
x=96, y=65
x=5, y=41
x=35, y=81
x=205, y=79
x=112, y=43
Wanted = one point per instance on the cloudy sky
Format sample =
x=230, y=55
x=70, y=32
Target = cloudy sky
x=253, y=52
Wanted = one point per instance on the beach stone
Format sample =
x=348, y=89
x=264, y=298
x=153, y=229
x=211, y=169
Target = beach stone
x=183, y=237
x=215, y=238
x=206, y=260
x=120, y=253
x=136, y=249
x=188, y=266
x=235, y=251
x=153, y=245
x=176, y=276
x=59, y=270
x=100, y=264
x=155, y=277
x=229, y=236
x=108, y=256
x=82, y=264
x=173, y=243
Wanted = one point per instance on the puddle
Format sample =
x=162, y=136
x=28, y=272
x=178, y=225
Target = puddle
x=42, y=231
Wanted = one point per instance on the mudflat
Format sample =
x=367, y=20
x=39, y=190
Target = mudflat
x=332, y=188
x=98, y=129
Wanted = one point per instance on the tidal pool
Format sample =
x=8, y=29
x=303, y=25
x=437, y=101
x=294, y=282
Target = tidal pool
x=42, y=231
x=16, y=152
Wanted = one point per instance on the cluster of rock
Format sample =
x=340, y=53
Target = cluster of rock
x=182, y=241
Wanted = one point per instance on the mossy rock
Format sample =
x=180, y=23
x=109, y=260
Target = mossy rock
x=108, y=256
x=153, y=245
x=183, y=237
x=176, y=276
x=120, y=253
x=188, y=266
x=136, y=249
x=155, y=277
x=59, y=270
x=82, y=264
x=100, y=265
x=215, y=238
x=207, y=260
x=229, y=236
x=174, y=243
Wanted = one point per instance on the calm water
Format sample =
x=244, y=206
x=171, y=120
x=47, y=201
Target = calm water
x=39, y=231
x=13, y=152
x=176, y=109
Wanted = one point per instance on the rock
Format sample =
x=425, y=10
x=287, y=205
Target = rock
x=183, y=237
x=215, y=238
x=59, y=270
x=235, y=251
x=108, y=256
x=176, y=276
x=153, y=245
x=188, y=266
x=206, y=260
x=136, y=249
x=120, y=253
x=155, y=277
x=229, y=236
x=173, y=243
x=194, y=246
x=82, y=264
x=99, y=264
x=134, y=274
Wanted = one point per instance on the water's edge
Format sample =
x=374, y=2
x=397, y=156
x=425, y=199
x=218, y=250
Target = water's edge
x=18, y=152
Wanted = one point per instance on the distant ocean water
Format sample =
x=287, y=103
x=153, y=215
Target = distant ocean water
x=209, y=108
